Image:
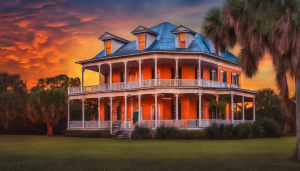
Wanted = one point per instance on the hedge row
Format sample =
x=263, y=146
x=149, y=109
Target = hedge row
x=260, y=129
x=88, y=133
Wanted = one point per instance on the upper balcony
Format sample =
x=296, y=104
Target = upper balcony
x=163, y=73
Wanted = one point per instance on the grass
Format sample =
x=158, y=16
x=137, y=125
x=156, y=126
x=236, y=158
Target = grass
x=71, y=153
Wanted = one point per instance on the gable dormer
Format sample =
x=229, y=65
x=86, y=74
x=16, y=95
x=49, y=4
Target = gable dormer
x=112, y=43
x=144, y=37
x=183, y=36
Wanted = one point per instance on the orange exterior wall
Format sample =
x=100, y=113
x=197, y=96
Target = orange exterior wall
x=229, y=71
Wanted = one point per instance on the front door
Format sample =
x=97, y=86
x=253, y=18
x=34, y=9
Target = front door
x=135, y=117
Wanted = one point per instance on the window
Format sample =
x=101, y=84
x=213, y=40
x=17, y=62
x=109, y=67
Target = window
x=213, y=75
x=221, y=76
x=141, y=42
x=235, y=79
x=108, y=47
x=182, y=40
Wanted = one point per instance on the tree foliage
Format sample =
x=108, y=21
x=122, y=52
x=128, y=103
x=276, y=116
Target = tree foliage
x=47, y=106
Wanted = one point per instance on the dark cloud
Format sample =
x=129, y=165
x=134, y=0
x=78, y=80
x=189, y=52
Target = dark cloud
x=40, y=38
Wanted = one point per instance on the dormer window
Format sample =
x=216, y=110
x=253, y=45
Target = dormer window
x=182, y=40
x=108, y=47
x=142, y=42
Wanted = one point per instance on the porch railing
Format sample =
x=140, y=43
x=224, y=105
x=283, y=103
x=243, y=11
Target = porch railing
x=91, y=124
x=150, y=83
x=117, y=86
x=188, y=123
x=132, y=84
x=148, y=123
x=76, y=124
x=104, y=124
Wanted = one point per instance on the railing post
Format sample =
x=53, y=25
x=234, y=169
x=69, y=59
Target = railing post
x=83, y=112
x=139, y=99
x=155, y=81
x=243, y=108
x=140, y=73
x=155, y=110
x=176, y=75
x=111, y=99
x=99, y=117
x=176, y=96
x=68, y=114
x=199, y=72
x=99, y=67
x=232, y=108
x=125, y=75
x=253, y=109
x=110, y=75
x=125, y=119
x=200, y=108
x=82, y=78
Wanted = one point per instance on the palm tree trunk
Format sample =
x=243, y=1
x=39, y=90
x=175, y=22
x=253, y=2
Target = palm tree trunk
x=297, y=79
x=49, y=130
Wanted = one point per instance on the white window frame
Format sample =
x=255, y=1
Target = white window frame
x=111, y=45
x=221, y=76
x=213, y=75
x=234, y=78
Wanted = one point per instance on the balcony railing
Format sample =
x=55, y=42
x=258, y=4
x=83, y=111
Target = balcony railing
x=151, y=83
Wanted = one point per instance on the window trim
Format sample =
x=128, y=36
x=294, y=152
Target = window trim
x=182, y=41
x=141, y=42
x=221, y=77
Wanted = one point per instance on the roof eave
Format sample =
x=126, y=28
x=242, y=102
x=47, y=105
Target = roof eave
x=141, y=53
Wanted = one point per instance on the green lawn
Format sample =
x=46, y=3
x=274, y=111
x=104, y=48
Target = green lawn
x=68, y=153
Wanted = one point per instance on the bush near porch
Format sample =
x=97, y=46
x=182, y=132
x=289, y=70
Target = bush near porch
x=260, y=129
x=88, y=133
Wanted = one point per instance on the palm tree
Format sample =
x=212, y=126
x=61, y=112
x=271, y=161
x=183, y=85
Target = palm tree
x=259, y=26
x=218, y=106
x=10, y=107
x=47, y=106
x=264, y=97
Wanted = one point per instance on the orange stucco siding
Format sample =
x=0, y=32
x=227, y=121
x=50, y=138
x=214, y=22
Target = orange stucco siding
x=206, y=73
x=187, y=72
x=229, y=71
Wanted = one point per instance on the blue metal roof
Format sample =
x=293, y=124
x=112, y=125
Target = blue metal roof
x=165, y=41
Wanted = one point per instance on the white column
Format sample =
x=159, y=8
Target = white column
x=155, y=110
x=232, y=108
x=200, y=109
x=99, y=112
x=68, y=114
x=125, y=119
x=140, y=73
x=199, y=73
x=155, y=81
x=243, y=108
x=111, y=99
x=82, y=78
x=82, y=112
x=176, y=96
x=125, y=74
x=99, y=67
x=176, y=74
x=253, y=109
x=139, y=99
x=110, y=74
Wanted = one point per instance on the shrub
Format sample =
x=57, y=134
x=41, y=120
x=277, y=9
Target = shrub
x=212, y=132
x=191, y=134
x=271, y=128
x=243, y=131
x=88, y=133
x=141, y=133
x=257, y=130
x=163, y=132
x=228, y=132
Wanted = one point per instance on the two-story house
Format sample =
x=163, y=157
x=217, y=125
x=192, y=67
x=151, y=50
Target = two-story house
x=167, y=76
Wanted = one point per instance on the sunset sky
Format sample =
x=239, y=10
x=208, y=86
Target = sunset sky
x=41, y=39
